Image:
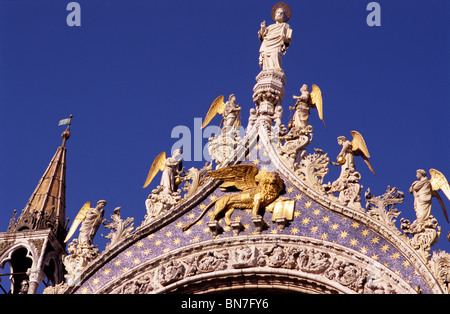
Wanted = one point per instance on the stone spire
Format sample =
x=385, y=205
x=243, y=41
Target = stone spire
x=46, y=206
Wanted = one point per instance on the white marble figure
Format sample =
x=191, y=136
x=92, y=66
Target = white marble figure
x=302, y=109
x=421, y=189
x=231, y=113
x=90, y=224
x=172, y=168
x=275, y=39
x=347, y=156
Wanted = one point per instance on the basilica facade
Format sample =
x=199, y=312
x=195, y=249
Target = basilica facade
x=258, y=218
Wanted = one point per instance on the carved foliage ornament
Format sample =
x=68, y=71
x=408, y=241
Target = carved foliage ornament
x=305, y=260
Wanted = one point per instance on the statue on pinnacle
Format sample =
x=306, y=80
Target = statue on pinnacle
x=275, y=38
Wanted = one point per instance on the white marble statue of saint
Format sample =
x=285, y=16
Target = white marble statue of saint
x=275, y=39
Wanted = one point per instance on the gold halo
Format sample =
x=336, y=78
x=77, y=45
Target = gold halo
x=285, y=7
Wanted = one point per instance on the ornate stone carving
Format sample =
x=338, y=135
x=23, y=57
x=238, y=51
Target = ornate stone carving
x=224, y=144
x=119, y=228
x=313, y=261
x=425, y=234
x=312, y=169
x=440, y=266
x=347, y=274
x=80, y=255
x=194, y=178
x=170, y=272
x=268, y=93
x=295, y=143
x=243, y=257
x=141, y=285
x=278, y=256
x=159, y=203
x=207, y=262
x=375, y=285
x=349, y=271
x=349, y=190
x=382, y=207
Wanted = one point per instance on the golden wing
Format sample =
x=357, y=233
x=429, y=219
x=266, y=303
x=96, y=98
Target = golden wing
x=241, y=177
x=316, y=99
x=217, y=107
x=159, y=164
x=78, y=219
x=439, y=182
x=359, y=148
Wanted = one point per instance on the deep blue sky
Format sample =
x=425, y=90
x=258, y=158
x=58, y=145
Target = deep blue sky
x=134, y=70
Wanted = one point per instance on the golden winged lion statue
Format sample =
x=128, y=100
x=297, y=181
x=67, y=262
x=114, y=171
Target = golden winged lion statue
x=258, y=189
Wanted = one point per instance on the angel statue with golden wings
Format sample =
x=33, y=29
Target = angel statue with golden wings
x=423, y=191
x=348, y=182
x=90, y=220
x=346, y=159
x=425, y=230
x=229, y=110
x=303, y=106
x=171, y=168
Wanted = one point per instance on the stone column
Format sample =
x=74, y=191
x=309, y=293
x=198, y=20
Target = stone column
x=267, y=94
x=34, y=279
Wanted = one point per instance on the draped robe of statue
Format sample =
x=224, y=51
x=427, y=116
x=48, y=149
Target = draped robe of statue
x=90, y=225
x=302, y=109
x=422, y=198
x=349, y=165
x=173, y=166
x=274, y=42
